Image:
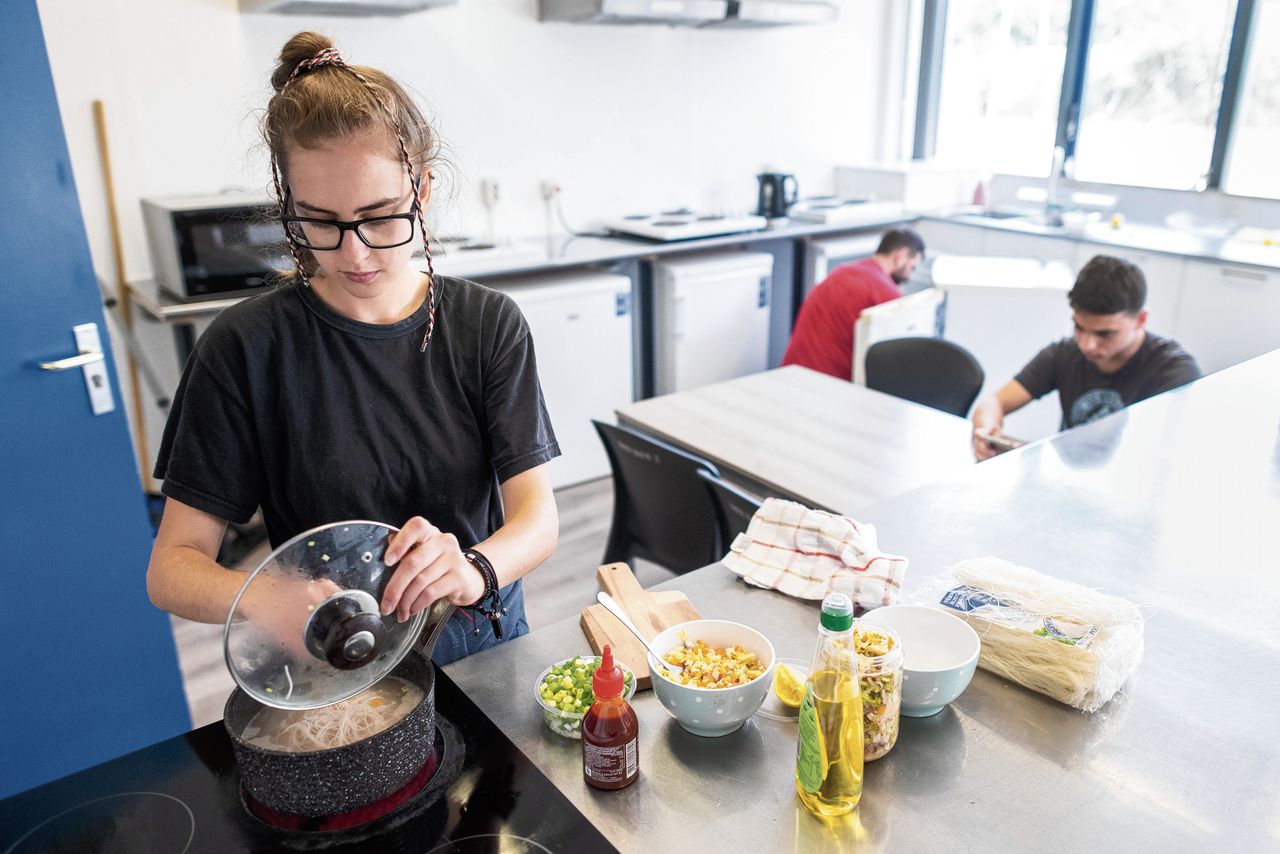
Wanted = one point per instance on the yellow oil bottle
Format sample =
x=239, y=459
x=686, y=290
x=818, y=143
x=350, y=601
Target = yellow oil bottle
x=829, y=753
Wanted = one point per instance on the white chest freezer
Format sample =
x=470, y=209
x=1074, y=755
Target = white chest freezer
x=827, y=253
x=1004, y=311
x=581, y=328
x=710, y=318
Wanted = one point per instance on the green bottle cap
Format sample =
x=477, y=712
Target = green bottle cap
x=837, y=612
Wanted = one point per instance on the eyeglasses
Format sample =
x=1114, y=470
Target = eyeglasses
x=378, y=232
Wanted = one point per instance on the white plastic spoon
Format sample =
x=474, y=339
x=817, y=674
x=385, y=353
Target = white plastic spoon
x=614, y=608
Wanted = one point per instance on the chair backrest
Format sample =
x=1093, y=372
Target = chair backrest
x=662, y=511
x=931, y=371
x=734, y=508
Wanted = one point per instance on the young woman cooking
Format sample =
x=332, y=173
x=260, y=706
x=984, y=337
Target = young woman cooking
x=364, y=388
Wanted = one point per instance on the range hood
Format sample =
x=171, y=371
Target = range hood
x=777, y=13
x=685, y=13
x=356, y=8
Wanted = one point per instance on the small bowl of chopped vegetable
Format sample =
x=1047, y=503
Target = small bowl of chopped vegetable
x=563, y=692
x=727, y=672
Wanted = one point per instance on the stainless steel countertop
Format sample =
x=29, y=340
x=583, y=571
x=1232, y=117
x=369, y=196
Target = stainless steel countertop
x=1171, y=503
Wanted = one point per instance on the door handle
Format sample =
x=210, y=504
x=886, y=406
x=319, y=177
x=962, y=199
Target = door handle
x=93, y=362
x=72, y=362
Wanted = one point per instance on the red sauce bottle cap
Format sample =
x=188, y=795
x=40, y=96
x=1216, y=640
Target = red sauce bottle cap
x=607, y=681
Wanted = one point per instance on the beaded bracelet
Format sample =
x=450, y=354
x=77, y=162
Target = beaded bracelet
x=489, y=604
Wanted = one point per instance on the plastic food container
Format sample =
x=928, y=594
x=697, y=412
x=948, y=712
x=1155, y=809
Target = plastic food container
x=567, y=723
x=880, y=674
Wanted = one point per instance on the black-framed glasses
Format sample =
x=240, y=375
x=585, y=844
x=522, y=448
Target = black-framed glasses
x=377, y=232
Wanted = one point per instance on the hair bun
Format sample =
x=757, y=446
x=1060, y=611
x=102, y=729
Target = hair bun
x=302, y=46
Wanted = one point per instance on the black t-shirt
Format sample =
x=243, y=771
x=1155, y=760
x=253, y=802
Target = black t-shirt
x=289, y=405
x=1087, y=394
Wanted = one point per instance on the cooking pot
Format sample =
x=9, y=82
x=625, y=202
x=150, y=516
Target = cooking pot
x=305, y=632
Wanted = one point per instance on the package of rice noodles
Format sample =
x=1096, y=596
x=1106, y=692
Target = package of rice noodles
x=1072, y=643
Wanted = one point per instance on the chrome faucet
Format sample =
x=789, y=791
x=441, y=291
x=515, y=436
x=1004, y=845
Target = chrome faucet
x=1053, y=210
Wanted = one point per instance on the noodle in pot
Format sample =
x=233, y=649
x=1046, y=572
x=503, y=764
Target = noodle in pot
x=366, y=714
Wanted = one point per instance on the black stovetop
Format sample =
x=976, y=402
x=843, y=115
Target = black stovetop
x=183, y=795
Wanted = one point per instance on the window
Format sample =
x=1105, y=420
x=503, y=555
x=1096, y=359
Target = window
x=1153, y=83
x=1177, y=94
x=1002, y=64
x=1255, y=138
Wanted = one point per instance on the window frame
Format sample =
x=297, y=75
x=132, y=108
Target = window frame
x=1079, y=33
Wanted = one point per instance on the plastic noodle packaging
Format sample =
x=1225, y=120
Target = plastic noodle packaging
x=1062, y=639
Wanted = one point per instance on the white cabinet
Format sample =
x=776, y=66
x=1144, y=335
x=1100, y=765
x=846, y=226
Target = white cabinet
x=1013, y=244
x=952, y=238
x=1229, y=313
x=710, y=318
x=1164, y=275
x=581, y=328
x=1004, y=311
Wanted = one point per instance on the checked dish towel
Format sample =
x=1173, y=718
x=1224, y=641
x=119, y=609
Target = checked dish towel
x=809, y=553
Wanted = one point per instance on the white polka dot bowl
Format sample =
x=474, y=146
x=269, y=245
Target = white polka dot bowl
x=712, y=711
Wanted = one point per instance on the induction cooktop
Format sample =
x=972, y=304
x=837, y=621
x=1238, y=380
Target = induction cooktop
x=184, y=795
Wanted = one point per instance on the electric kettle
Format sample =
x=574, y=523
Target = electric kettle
x=774, y=199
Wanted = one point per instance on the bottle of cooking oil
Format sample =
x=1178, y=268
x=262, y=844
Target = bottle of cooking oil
x=829, y=754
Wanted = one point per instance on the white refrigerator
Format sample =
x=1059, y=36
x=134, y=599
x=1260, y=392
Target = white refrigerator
x=581, y=328
x=710, y=318
x=1004, y=311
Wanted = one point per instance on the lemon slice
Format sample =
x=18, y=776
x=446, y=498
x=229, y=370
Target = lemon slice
x=788, y=685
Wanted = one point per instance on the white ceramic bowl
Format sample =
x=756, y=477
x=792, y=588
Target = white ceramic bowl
x=940, y=653
x=712, y=711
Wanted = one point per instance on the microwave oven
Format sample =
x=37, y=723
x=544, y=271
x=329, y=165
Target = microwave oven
x=204, y=246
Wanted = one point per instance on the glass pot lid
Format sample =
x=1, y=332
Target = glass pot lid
x=306, y=631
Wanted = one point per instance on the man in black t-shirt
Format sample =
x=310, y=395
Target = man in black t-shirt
x=1111, y=362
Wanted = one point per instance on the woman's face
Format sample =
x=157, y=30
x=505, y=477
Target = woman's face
x=349, y=179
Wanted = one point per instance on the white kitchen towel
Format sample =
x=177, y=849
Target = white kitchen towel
x=809, y=553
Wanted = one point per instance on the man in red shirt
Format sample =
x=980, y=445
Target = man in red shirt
x=823, y=336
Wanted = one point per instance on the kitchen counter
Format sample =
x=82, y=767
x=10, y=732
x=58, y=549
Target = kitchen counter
x=1170, y=503
x=560, y=251
x=1143, y=237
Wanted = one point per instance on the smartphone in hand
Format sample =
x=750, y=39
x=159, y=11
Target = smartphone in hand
x=1002, y=443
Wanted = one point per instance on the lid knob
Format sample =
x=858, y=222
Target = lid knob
x=346, y=630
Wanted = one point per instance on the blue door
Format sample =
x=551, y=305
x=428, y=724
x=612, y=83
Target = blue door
x=89, y=668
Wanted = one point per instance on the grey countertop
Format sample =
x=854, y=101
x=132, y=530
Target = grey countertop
x=560, y=251
x=1170, y=503
x=557, y=252
x=533, y=256
x=1140, y=236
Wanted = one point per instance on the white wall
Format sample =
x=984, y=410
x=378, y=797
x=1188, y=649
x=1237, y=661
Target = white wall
x=624, y=118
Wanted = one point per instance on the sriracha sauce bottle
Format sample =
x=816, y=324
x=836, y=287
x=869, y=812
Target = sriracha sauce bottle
x=610, y=731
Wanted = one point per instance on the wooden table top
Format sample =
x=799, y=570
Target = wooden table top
x=800, y=434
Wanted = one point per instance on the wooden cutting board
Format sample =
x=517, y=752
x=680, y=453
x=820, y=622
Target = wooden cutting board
x=651, y=612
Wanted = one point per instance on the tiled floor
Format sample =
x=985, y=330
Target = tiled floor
x=560, y=588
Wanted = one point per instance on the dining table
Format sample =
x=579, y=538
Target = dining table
x=1170, y=504
x=800, y=434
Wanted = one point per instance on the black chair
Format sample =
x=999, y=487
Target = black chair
x=930, y=371
x=661, y=510
x=734, y=508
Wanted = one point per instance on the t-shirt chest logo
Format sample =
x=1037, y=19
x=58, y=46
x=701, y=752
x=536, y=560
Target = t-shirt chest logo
x=1094, y=404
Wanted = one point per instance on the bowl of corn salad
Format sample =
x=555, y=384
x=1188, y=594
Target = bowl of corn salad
x=726, y=674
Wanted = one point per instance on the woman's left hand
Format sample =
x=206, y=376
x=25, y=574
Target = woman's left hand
x=429, y=566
